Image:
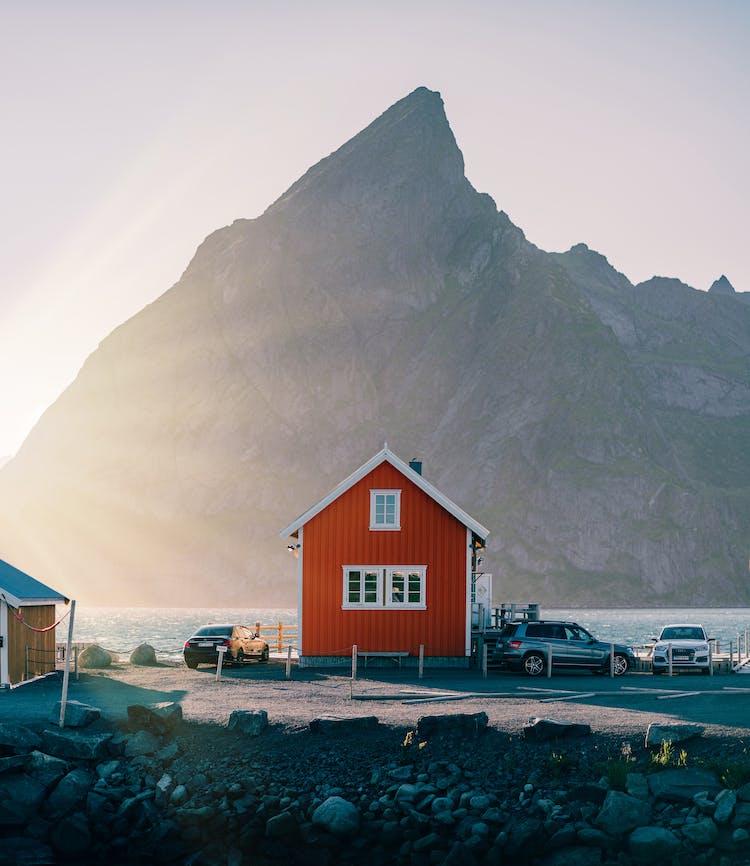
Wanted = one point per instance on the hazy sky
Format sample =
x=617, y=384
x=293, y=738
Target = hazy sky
x=131, y=130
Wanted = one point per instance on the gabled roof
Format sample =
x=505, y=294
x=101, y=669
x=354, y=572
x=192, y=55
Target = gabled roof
x=21, y=589
x=387, y=456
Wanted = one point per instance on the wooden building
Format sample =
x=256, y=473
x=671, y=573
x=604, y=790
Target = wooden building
x=27, y=619
x=385, y=563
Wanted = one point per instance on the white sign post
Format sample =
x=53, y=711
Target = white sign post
x=222, y=652
x=66, y=669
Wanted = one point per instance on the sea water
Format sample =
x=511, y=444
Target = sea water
x=122, y=629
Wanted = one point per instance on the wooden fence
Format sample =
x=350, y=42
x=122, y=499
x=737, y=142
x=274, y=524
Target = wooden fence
x=279, y=636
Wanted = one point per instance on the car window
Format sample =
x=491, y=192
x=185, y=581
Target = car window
x=508, y=630
x=682, y=633
x=214, y=631
x=575, y=632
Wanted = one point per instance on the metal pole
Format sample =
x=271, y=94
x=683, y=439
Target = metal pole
x=669, y=658
x=354, y=662
x=288, y=662
x=484, y=661
x=66, y=669
x=731, y=655
x=549, y=660
x=612, y=660
x=710, y=660
x=421, y=660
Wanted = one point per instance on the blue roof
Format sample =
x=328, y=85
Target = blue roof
x=22, y=586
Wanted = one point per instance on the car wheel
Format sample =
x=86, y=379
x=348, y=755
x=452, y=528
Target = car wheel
x=191, y=664
x=621, y=665
x=534, y=664
x=264, y=655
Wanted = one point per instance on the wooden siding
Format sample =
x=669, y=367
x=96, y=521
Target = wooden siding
x=42, y=644
x=340, y=535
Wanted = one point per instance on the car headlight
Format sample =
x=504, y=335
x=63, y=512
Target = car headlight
x=702, y=648
x=660, y=648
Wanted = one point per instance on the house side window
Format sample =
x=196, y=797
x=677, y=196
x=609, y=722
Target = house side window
x=385, y=509
x=362, y=587
x=382, y=587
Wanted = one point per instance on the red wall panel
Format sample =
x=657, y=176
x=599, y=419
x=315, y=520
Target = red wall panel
x=340, y=535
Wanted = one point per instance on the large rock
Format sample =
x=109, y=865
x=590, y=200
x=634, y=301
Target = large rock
x=72, y=744
x=337, y=816
x=161, y=719
x=704, y=832
x=653, y=845
x=452, y=724
x=622, y=813
x=69, y=794
x=18, y=737
x=680, y=786
x=342, y=724
x=659, y=734
x=251, y=722
x=77, y=714
x=543, y=730
x=144, y=655
x=94, y=656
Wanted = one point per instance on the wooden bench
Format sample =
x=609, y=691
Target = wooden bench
x=394, y=655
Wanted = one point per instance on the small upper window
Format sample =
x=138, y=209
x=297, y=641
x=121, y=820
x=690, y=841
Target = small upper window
x=385, y=509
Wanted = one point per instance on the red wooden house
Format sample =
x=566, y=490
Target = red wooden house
x=385, y=563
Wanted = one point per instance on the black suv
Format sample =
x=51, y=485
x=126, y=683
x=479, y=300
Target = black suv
x=241, y=642
x=526, y=645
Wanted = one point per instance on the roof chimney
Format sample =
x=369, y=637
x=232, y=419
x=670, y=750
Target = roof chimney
x=416, y=465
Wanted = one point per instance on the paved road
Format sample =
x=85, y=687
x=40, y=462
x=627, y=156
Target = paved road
x=623, y=705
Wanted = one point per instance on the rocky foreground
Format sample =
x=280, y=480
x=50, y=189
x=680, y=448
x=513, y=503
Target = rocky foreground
x=453, y=791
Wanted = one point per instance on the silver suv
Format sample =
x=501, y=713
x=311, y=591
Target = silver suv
x=526, y=646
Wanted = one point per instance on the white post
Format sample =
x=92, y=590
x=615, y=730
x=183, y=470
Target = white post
x=669, y=659
x=421, y=660
x=66, y=670
x=549, y=660
x=710, y=660
x=484, y=661
x=288, y=662
x=222, y=652
x=611, y=661
x=731, y=655
x=354, y=662
x=747, y=649
x=739, y=648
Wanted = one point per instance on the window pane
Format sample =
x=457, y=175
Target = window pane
x=354, y=591
x=390, y=509
x=415, y=587
x=398, y=586
x=379, y=508
x=371, y=587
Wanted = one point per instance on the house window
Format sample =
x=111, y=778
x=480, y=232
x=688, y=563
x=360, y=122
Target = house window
x=384, y=586
x=385, y=509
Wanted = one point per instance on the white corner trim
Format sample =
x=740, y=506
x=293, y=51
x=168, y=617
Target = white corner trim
x=4, y=671
x=468, y=592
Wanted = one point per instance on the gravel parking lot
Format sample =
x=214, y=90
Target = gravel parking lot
x=623, y=706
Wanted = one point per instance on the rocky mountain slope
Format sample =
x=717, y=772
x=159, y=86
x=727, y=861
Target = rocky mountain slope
x=601, y=430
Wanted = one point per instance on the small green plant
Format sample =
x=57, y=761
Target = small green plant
x=408, y=745
x=682, y=758
x=733, y=773
x=662, y=757
x=559, y=764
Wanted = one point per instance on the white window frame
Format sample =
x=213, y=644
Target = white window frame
x=360, y=605
x=374, y=525
x=384, y=592
x=420, y=570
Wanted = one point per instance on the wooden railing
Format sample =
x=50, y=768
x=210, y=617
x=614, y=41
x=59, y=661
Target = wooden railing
x=279, y=636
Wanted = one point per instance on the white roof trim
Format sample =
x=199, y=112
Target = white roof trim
x=387, y=455
x=13, y=601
